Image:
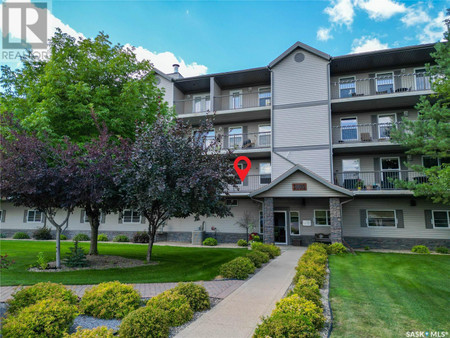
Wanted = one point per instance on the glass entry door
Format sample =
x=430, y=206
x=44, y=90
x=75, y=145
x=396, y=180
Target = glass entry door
x=280, y=227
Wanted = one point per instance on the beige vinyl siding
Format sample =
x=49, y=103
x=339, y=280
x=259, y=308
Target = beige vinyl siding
x=168, y=88
x=414, y=218
x=279, y=165
x=178, y=96
x=315, y=160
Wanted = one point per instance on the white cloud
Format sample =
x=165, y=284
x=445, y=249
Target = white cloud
x=164, y=61
x=324, y=34
x=415, y=16
x=434, y=30
x=341, y=12
x=367, y=44
x=381, y=9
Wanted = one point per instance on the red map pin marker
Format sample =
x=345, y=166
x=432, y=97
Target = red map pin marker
x=242, y=173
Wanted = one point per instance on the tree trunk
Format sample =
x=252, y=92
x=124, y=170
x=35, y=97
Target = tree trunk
x=151, y=235
x=58, y=247
x=95, y=224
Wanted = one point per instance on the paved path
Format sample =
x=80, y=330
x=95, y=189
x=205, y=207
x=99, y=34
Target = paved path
x=216, y=288
x=238, y=315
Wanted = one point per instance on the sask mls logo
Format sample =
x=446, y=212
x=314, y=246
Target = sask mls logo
x=24, y=25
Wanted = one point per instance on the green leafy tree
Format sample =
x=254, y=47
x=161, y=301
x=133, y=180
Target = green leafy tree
x=429, y=135
x=56, y=96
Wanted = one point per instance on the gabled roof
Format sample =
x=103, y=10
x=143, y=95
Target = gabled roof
x=300, y=45
x=160, y=73
x=300, y=168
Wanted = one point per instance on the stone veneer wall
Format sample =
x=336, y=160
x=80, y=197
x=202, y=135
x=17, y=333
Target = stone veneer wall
x=269, y=223
x=336, y=220
x=394, y=243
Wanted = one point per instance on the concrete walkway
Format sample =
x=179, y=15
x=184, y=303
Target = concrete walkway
x=239, y=314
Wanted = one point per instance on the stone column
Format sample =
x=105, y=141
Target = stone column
x=336, y=220
x=269, y=233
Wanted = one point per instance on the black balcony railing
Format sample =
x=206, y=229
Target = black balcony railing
x=251, y=183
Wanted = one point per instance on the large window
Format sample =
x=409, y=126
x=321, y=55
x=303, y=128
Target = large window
x=347, y=86
x=235, y=99
x=131, y=216
x=385, y=83
x=264, y=97
x=381, y=218
x=264, y=135
x=350, y=176
x=385, y=123
x=231, y=202
x=201, y=104
x=294, y=218
x=235, y=137
x=429, y=162
x=265, y=171
x=349, y=129
x=441, y=219
x=205, y=139
x=322, y=217
x=34, y=216
x=422, y=79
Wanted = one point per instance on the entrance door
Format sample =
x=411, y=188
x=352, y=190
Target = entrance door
x=280, y=227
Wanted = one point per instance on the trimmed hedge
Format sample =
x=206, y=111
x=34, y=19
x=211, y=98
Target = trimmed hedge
x=420, y=249
x=442, y=250
x=258, y=258
x=238, y=268
x=337, y=248
x=196, y=294
x=308, y=289
x=42, y=234
x=102, y=238
x=311, y=270
x=270, y=249
x=81, y=238
x=242, y=242
x=145, y=322
x=175, y=305
x=121, y=238
x=285, y=325
x=101, y=331
x=210, y=241
x=21, y=235
x=63, y=237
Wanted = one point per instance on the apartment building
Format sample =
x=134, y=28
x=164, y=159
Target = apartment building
x=317, y=131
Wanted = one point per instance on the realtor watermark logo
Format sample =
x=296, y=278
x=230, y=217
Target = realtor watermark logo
x=24, y=26
x=427, y=334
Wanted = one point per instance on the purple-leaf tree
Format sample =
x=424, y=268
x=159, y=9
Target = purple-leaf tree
x=176, y=172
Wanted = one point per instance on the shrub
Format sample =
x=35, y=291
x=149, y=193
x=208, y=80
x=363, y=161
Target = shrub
x=420, y=249
x=269, y=249
x=210, y=241
x=302, y=307
x=110, y=300
x=311, y=270
x=5, y=262
x=319, y=247
x=41, y=262
x=242, y=242
x=145, y=322
x=76, y=258
x=21, y=235
x=314, y=257
x=81, y=238
x=196, y=295
x=238, y=268
x=308, y=289
x=141, y=237
x=102, y=238
x=254, y=237
x=337, y=248
x=121, y=238
x=285, y=325
x=46, y=318
x=175, y=304
x=63, y=237
x=258, y=258
x=101, y=331
x=40, y=291
x=43, y=233
x=367, y=248
x=442, y=250
x=2, y=235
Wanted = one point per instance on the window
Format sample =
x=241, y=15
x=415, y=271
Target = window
x=441, y=219
x=381, y=218
x=34, y=216
x=385, y=123
x=350, y=170
x=322, y=217
x=264, y=97
x=235, y=137
x=232, y=203
x=131, y=216
x=261, y=222
x=265, y=171
x=347, y=86
x=294, y=218
x=235, y=99
x=349, y=129
x=429, y=162
x=205, y=139
x=1, y=216
x=264, y=135
x=86, y=218
x=385, y=83
x=422, y=79
x=201, y=104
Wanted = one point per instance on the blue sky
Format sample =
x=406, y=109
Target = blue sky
x=216, y=36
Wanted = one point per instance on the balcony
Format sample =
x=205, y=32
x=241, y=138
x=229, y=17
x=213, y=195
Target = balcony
x=362, y=133
x=376, y=180
x=251, y=183
x=248, y=141
x=238, y=100
x=199, y=104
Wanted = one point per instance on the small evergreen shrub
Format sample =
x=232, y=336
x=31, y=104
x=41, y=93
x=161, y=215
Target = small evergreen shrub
x=21, y=235
x=269, y=249
x=76, y=258
x=43, y=234
x=176, y=306
x=102, y=238
x=258, y=258
x=41, y=261
x=63, y=237
x=210, y=241
x=314, y=257
x=111, y=300
x=141, y=237
x=145, y=322
x=238, y=268
x=101, y=331
x=242, y=242
x=121, y=238
x=337, y=248
x=311, y=270
x=46, y=318
x=308, y=289
x=81, y=238
x=420, y=249
x=319, y=247
x=40, y=291
x=286, y=325
x=442, y=250
x=196, y=294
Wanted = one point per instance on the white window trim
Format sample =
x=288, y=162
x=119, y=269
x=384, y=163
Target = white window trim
x=381, y=227
x=351, y=159
x=378, y=124
x=232, y=92
x=203, y=101
x=339, y=83
x=268, y=133
x=264, y=174
x=242, y=136
x=299, y=223
x=133, y=211
x=448, y=219
x=322, y=225
x=391, y=170
x=393, y=80
x=270, y=92
x=35, y=210
x=357, y=128
x=415, y=78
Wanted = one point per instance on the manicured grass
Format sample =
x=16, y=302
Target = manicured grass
x=386, y=295
x=175, y=263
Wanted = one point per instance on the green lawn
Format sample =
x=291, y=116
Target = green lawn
x=386, y=295
x=175, y=263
